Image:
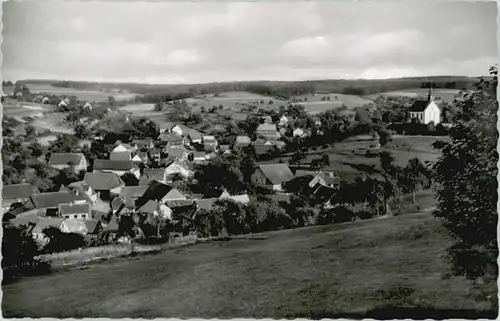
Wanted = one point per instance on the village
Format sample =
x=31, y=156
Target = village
x=149, y=179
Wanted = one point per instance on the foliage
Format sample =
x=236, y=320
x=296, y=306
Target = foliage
x=467, y=184
x=19, y=250
x=60, y=241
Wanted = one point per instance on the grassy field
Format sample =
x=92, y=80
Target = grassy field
x=87, y=95
x=356, y=270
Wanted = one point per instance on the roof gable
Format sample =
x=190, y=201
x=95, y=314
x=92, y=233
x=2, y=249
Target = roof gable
x=276, y=173
x=16, y=191
x=103, y=181
x=118, y=165
x=419, y=106
x=65, y=158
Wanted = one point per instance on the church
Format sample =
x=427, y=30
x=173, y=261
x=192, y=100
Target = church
x=426, y=111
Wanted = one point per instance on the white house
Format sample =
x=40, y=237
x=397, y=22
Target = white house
x=176, y=168
x=425, y=111
x=299, y=132
x=283, y=121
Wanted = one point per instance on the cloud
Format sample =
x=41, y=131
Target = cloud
x=218, y=41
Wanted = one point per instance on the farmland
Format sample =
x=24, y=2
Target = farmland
x=446, y=95
x=359, y=269
x=84, y=95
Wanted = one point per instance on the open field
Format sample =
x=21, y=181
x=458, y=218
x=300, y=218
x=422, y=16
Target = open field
x=447, y=95
x=87, y=95
x=314, y=104
x=15, y=108
x=356, y=270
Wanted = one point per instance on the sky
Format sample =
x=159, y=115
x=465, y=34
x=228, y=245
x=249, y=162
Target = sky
x=196, y=42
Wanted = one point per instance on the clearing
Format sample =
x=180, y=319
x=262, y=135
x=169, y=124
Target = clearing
x=353, y=270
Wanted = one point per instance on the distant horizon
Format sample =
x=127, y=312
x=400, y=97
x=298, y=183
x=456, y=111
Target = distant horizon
x=237, y=81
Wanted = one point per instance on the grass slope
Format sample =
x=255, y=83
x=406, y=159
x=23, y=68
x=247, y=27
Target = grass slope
x=355, y=269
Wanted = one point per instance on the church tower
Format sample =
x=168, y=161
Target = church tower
x=429, y=96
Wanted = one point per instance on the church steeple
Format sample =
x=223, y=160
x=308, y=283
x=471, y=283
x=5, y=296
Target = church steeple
x=429, y=96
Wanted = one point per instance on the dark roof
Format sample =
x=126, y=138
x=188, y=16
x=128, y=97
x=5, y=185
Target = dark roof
x=74, y=208
x=419, y=105
x=118, y=165
x=276, y=173
x=262, y=149
x=15, y=191
x=53, y=199
x=176, y=151
x=92, y=226
x=65, y=158
x=206, y=203
x=120, y=156
x=133, y=191
x=142, y=142
x=155, y=191
x=301, y=172
x=149, y=207
x=102, y=181
x=170, y=137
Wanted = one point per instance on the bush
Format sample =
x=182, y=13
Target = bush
x=19, y=250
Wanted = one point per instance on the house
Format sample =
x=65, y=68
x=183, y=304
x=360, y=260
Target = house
x=268, y=131
x=426, y=111
x=16, y=193
x=171, y=139
x=157, y=209
x=283, y=121
x=242, y=198
x=75, y=211
x=84, y=189
x=175, y=168
x=133, y=192
x=205, y=203
x=272, y=175
x=50, y=201
x=27, y=218
x=143, y=144
x=121, y=147
x=120, y=156
x=119, y=167
x=159, y=192
x=210, y=143
x=193, y=135
x=165, y=126
x=140, y=158
x=76, y=161
x=153, y=174
x=87, y=106
x=242, y=141
x=199, y=157
x=177, y=153
x=104, y=183
x=155, y=154
x=325, y=179
x=63, y=103
x=299, y=132
x=80, y=226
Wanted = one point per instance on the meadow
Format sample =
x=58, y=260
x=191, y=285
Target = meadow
x=390, y=267
x=84, y=95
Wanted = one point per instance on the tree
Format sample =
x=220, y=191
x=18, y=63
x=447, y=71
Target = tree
x=325, y=160
x=467, y=184
x=159, y=106
x=414, y=176
x=130, y=179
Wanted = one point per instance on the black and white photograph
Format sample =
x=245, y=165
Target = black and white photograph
x=264, y=159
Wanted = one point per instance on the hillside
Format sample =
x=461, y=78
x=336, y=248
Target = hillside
x=353, y=270
x=331, y=85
